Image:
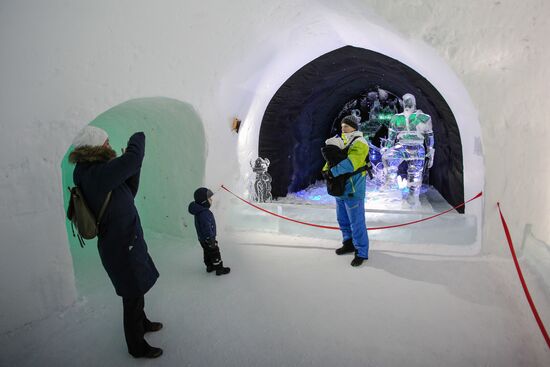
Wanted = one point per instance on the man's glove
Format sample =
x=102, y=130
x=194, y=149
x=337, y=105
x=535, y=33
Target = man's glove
x=327, y=175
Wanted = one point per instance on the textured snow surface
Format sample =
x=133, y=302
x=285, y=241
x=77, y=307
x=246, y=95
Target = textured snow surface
x=291, y=301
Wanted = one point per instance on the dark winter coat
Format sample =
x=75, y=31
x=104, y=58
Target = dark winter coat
x=205, y=224
x=121, y=245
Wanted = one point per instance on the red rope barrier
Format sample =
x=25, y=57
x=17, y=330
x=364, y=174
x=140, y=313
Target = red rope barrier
x=338, y=228
x=275, y=214
x=522, y=280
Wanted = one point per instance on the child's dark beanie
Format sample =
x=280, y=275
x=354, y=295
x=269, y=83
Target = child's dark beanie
x=202, y=194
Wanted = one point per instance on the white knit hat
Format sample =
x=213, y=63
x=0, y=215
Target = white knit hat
x=90, y=136
x=336, y=140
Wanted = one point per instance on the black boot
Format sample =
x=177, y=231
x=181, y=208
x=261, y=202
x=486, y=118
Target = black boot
x=347, y=247
x=148, y=352
x=220, y=270
x=357, y=260
x=152, y=326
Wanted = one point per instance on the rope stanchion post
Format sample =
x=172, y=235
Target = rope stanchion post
x=522, y=280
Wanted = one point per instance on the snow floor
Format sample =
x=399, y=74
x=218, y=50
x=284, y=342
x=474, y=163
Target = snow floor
x=290, y=301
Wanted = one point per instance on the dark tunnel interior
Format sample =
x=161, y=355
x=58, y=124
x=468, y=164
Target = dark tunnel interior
x=302, y=113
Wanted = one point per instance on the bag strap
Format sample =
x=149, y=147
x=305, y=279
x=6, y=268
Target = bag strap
x=350, y=143
x=103, y=207
x=358, y=170
x=366, y=167
x=81, y=240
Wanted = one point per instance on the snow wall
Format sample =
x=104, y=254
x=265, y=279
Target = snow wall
x=65, y=63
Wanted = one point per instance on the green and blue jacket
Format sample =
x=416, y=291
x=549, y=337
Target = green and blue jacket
x=357, y=156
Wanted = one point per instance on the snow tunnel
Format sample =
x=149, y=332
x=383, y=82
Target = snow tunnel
x=300, y=106
x=172, y=169
x=304, y=110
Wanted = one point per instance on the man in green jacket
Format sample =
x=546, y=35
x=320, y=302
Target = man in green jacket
x=350, y=207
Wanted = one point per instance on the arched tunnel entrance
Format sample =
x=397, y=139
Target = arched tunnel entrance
x=173, y=168
x=301, y=115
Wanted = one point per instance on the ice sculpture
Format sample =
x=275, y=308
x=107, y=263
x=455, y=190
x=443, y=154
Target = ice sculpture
x=260, y=188
x=357, y=115
x=409, y=135
x=382, y=108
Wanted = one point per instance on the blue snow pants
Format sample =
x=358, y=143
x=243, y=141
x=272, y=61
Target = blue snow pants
x=351, y=219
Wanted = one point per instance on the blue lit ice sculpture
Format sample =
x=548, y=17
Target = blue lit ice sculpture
x=382, y=108
x=410, y=134
x=260, y=189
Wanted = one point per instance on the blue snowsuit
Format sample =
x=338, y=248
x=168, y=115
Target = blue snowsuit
x=205, y=224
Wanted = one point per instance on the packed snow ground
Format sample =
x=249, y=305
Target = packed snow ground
x=290, y=301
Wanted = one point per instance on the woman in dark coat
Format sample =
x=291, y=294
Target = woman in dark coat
x=121, y=245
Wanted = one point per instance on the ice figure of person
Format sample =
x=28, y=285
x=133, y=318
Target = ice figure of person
x=261, y=187
x=381, y=111
x=410, y=134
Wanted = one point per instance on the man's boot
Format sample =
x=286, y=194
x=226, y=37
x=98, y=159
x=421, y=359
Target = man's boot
x=358, y=261
x=347, y=247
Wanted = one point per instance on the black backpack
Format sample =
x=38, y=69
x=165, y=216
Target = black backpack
x=336, y=186
x=82, y=217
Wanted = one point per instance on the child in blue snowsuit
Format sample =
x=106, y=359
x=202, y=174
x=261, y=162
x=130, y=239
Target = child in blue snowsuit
x=205, y=224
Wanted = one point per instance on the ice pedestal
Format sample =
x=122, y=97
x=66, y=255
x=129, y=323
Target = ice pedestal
x=451, y=229
x=246, y=218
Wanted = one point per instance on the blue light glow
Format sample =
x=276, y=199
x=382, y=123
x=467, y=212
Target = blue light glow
x=317, y=194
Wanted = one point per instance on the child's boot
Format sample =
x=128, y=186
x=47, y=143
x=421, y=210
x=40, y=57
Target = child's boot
x=220, y=269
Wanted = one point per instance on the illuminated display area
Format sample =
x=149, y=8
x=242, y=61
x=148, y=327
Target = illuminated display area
x=308, y=107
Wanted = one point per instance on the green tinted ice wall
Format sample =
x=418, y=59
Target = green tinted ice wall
x=172, y=169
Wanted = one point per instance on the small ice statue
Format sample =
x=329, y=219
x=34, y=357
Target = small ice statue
x=357, y=115
x=261, y=187
x=410, y=134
